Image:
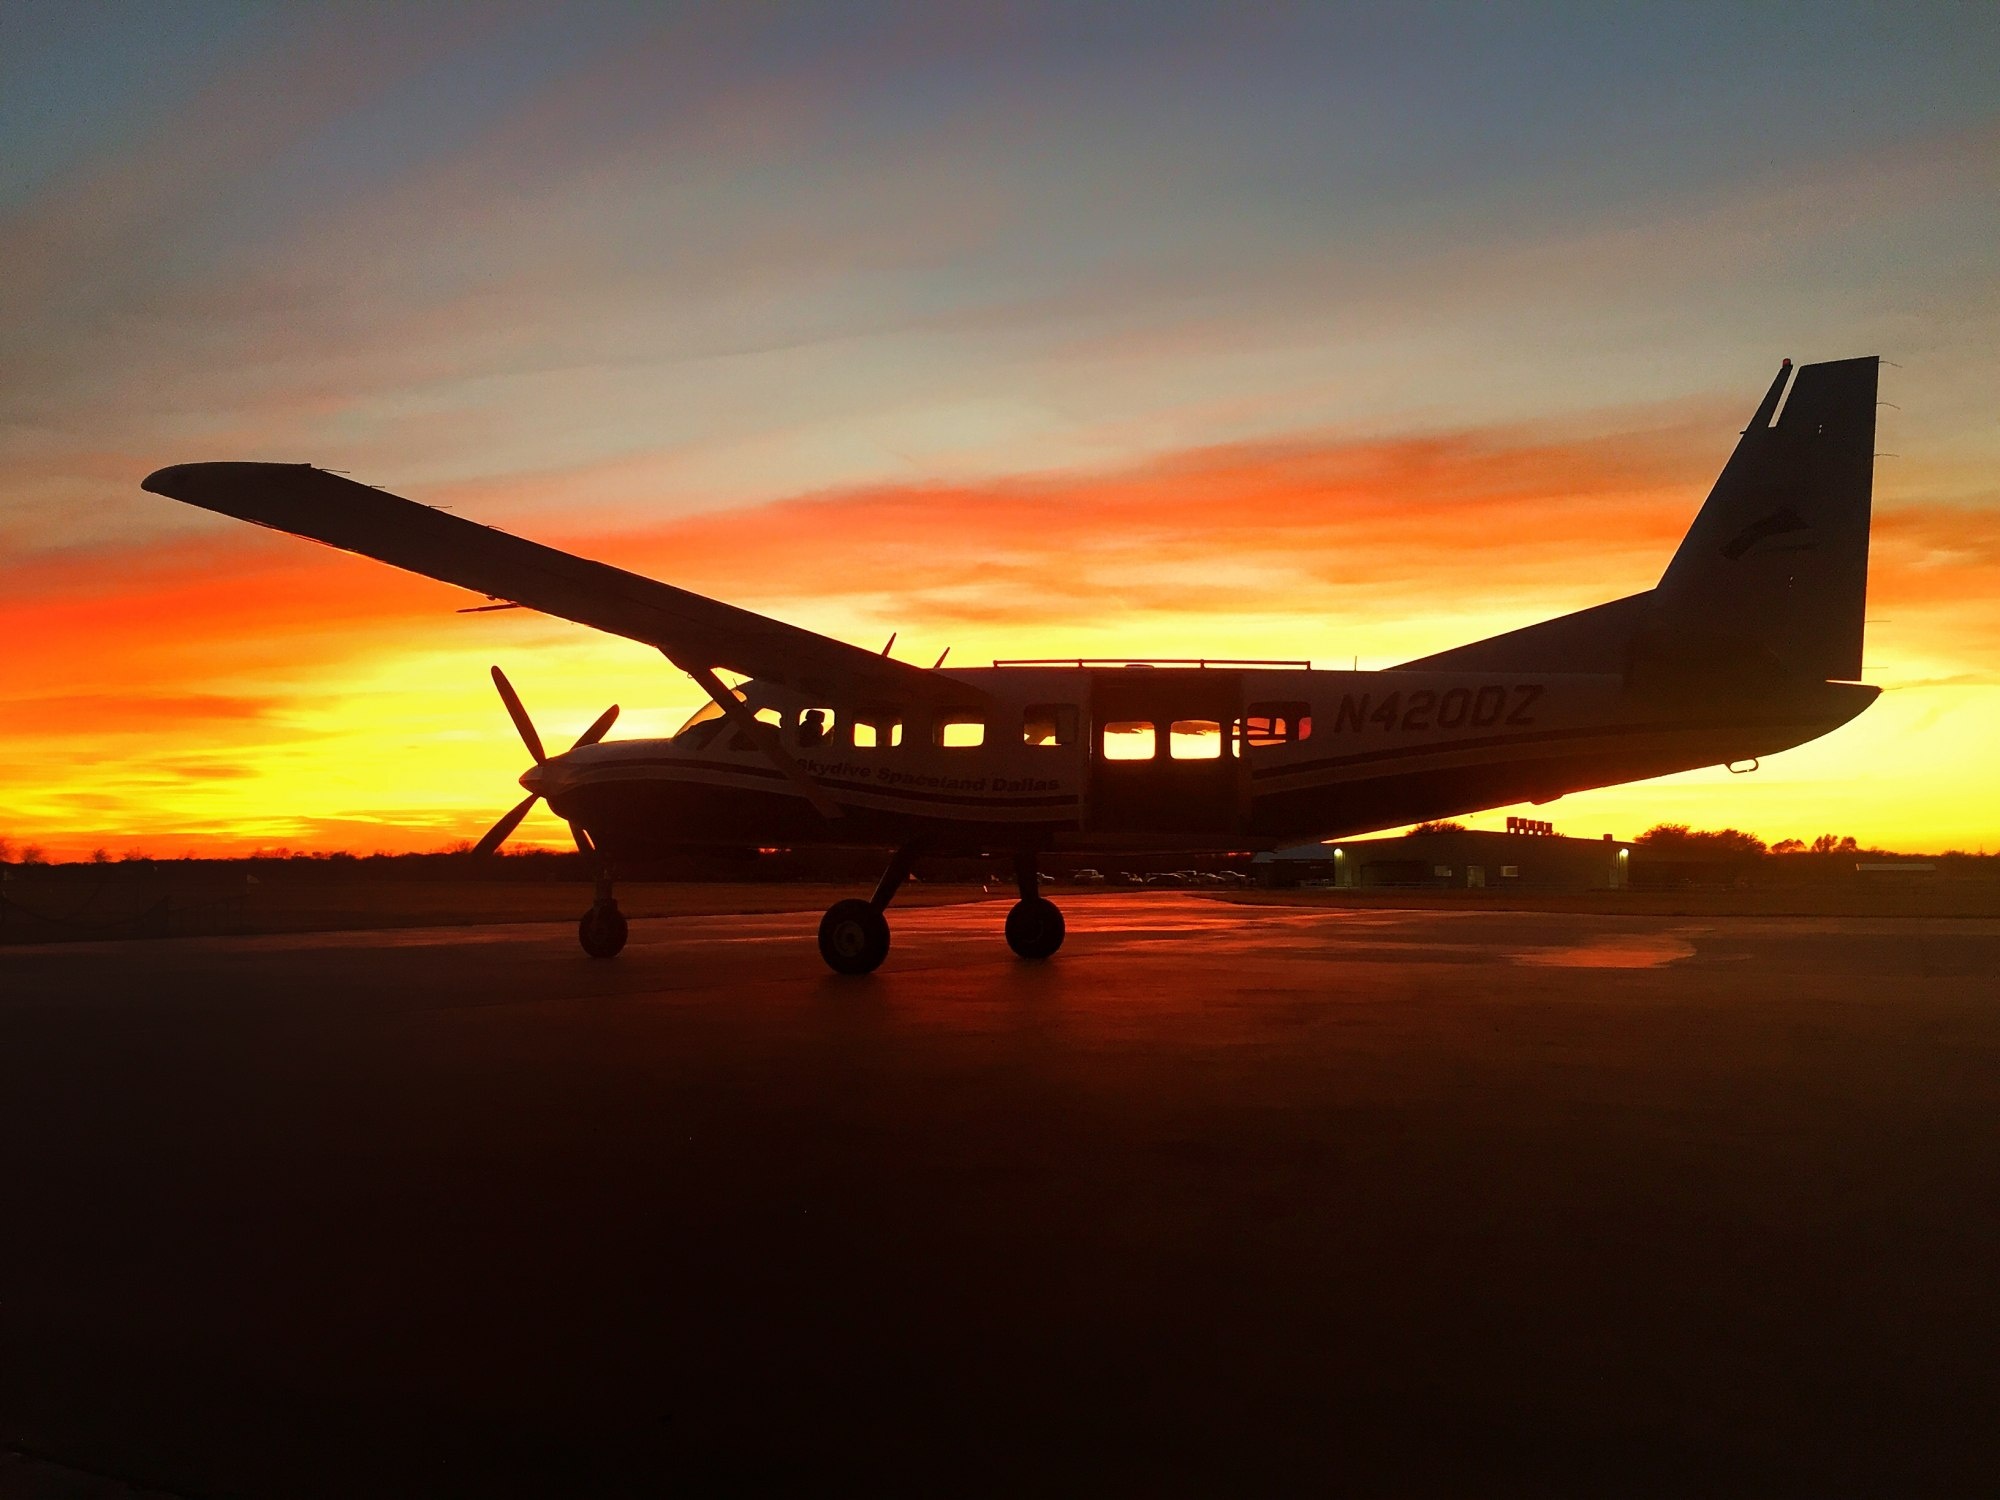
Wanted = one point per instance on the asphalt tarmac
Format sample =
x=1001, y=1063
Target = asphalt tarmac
x=1223, y=1200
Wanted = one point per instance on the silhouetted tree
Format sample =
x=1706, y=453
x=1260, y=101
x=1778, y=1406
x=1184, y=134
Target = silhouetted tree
x=1712, y=843
x=1445, y=826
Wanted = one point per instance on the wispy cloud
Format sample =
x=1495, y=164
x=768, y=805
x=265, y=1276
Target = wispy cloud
x=1325, y=334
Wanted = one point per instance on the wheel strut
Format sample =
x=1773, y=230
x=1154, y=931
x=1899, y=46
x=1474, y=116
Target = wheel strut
x=900, y=865
x=854, y=935
x=602, y=930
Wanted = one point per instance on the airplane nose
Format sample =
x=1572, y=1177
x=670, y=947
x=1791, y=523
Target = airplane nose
x=534, y=780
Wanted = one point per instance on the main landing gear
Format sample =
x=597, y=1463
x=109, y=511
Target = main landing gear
x=1034, y=923
x=854, y=935
x=602, y=930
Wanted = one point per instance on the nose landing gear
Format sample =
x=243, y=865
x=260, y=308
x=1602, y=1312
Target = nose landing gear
x=602, y=930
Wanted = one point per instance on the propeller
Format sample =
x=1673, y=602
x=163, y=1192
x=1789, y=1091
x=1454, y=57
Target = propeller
x=499, y=833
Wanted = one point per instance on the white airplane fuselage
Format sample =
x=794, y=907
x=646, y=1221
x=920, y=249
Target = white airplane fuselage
x=1750, y=643
x=1154, y=758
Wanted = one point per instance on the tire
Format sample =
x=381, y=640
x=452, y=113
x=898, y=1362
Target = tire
x=853, y=937
x=602, y=931
x=1035, y=928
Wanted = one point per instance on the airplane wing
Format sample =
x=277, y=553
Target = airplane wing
x=692, y=630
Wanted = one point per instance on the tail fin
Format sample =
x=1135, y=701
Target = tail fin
x=1771, y=580
x=1776, y=564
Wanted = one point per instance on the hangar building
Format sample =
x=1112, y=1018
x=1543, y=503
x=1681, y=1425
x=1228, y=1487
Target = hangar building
x=1529, y=855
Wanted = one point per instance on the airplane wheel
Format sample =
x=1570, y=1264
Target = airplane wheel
x=1035, y=928
x=853, y=937
x=602, y=931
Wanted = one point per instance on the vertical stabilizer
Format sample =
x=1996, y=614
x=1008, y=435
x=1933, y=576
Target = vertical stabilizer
x=1775, y=568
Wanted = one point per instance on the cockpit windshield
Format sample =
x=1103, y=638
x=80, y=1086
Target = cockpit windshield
x=707, y=713
x=703, y=725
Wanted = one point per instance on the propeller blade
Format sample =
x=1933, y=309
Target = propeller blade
x=519, y=715
x=509, y=821
x=598, y=730
x=583, y=843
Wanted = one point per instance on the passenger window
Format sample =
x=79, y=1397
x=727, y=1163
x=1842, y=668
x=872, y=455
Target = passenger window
x=1049, y=724
x=957, y=731
x=877, y=734
x=1130, y=739
x=1195, y=739
x=1276, y=724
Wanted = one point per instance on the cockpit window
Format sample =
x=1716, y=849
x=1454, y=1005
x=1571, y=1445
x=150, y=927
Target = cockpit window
x=700, y=736
x=706, y=714
x=741, y=740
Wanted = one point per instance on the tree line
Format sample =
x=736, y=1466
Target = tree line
x=1733, y=842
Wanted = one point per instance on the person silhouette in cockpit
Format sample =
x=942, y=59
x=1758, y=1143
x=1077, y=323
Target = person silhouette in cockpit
x=812, y=728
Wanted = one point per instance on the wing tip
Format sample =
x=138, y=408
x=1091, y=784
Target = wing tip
x=188, y=481
x=170, y=480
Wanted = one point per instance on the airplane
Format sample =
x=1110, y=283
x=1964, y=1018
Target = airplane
x=1749, y=644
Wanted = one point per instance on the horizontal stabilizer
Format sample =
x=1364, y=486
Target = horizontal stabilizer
x=1591, y=640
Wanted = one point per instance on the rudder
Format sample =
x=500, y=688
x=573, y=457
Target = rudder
x=1775, y=567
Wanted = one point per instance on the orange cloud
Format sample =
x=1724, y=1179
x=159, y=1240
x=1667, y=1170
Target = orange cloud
x=1195, y=531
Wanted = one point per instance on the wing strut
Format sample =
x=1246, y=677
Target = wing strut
x=762, y=735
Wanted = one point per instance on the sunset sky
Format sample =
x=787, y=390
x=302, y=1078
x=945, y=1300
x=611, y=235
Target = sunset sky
x=1144, y=330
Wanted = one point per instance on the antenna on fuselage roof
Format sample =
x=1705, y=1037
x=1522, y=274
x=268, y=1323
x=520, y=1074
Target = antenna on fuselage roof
x=888, y=643
x=941, y=656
